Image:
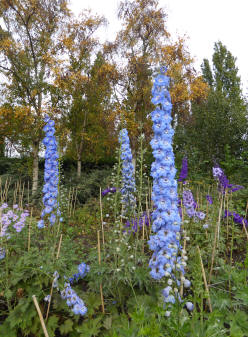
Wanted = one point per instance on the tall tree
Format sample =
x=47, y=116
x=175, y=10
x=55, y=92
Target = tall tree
x=84, y=83
x=222, y=118
x=144, y=42
x=27, y=47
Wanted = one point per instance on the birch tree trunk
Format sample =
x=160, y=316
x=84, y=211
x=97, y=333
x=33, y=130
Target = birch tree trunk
x=79, y=161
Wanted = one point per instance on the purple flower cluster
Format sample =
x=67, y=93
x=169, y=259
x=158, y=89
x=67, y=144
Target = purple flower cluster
x=224, y=184
x=236, y=218
x=15, y=219
x=191, y=205
x=108, y=190
x=184, y=170
x=166, y=219
x=128, y=182
x=51, y=174
x=137, y=223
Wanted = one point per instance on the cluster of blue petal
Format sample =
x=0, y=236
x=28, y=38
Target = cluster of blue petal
x=191, y=206
x=166, y=219
x=72, y=300
x=51, y=174
x=83, y=269
x=128, y=182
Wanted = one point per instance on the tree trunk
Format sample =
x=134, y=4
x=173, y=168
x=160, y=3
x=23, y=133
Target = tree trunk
x=35, y=166
x=79, y=167
x=79, y=161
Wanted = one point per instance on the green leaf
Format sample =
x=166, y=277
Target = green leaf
x=66, y=327
x=107, y=322
x=51, y=325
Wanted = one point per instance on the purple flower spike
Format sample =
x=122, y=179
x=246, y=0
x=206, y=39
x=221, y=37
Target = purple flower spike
x=184, y=171
x=209, y=199
x=224, y=184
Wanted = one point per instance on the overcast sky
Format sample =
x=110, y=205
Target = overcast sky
x=203, y=22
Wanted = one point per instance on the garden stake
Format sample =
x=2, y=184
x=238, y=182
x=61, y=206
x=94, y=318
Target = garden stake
x=14, y=196
x=21, y=196
x=69, y=200
x=143, y=234
x=40, y=316
x=215, y=240
x=51, y=291
x=227, y=220
x=246, y=233
x=101, y=215
x=75, y=201
x=205, y=280
x=99, y=260
x=28, y=192
x=29, y=229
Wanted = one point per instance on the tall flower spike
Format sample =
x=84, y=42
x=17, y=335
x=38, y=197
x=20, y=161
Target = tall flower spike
x=184, y=170
x=51, y=174
x=128, y=181
x=166, y=219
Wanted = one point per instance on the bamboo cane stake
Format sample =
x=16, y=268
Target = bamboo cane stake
x=29, y=229
x=69, y=199
x=22, y=192
x=40, y=316
x=227, y=218
x=28, y=192
x=51, y=291
x=205, y=280
x=75, y=201
x=215, y=241
x=246, y=233
x=14, y=195
x=101, y=215
x=99, y=261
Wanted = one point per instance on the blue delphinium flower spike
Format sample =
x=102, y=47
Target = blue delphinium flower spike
x=165, y=260
x=128, y=182
x=51, y=174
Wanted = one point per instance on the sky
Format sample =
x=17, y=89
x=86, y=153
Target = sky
x=202, y=22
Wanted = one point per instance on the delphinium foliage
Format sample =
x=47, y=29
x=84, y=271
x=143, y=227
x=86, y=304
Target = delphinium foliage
x=127, y=169
x=166, y=259
x=51, y=175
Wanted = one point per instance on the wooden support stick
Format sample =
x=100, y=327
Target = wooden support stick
x=99, y=261
x=246, y=233
x=51, y=291
x=75, y=201
x=215, y=241
x=40, y=316
x=29, y=229
x=101, y=215
x=205, y=280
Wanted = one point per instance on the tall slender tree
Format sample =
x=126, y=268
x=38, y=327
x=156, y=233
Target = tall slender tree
x=222, y=118
x=27, y=48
